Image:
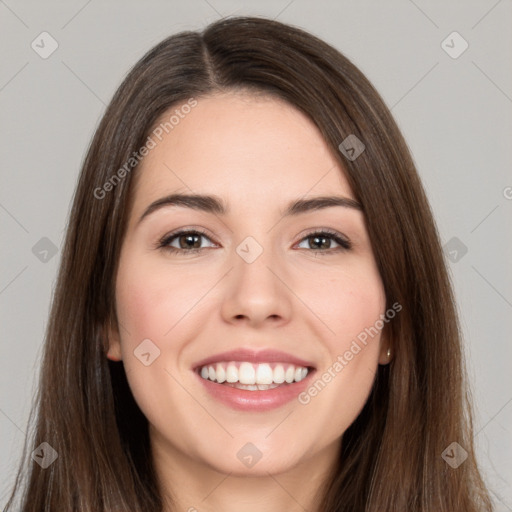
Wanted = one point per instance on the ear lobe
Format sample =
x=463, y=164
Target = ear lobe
x=113, y=343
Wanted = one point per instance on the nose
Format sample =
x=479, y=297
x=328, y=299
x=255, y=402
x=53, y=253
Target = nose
x=257, y=293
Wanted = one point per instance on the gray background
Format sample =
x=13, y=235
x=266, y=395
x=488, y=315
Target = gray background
x=455, y=114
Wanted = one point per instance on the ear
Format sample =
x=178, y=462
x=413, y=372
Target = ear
x=113, y=342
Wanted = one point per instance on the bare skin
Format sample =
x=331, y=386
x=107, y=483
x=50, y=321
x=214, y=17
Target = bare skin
x=257, y=154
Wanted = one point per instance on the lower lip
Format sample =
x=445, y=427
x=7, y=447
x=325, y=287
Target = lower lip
x=245, y=400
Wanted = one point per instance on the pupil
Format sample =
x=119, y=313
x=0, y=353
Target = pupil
x=188, y=239
x=316, y=238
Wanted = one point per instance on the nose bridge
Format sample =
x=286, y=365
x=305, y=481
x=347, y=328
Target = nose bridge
x=252, y=259
x=254, y=289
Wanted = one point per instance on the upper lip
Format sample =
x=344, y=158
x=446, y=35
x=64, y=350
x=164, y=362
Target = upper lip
x=253, y=356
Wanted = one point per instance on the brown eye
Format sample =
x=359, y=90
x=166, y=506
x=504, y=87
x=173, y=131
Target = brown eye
x=321, y=242
x=189, y=241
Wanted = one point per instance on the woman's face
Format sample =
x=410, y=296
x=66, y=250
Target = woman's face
x=263, y=280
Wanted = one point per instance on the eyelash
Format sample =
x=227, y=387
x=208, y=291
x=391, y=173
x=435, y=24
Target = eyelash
x=163, y=243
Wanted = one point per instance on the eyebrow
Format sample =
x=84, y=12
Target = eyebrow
x=214, y=204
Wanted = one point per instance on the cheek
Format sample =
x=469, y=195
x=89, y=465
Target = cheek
x=355, y=313
x=352, y=308
x=158, y=303
x=150, y=303
x=151, y=299
x=349, y=304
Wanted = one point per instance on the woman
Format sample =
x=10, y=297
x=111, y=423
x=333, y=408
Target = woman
x=309, y=356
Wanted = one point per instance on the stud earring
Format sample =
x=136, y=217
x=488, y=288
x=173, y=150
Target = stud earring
x=388, y=353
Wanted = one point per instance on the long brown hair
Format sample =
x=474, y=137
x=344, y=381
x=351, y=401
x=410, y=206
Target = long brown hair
x=391, y=456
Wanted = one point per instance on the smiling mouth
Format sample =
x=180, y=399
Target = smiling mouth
x=253, y=376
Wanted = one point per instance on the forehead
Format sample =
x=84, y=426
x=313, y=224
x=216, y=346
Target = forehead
x=252, y=150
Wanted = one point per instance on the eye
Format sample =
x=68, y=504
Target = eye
x=189, y=241
x=325, y=237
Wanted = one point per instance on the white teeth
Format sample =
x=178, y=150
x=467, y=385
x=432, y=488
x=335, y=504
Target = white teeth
x=251, y=376
x=252, y=387
x=264, y=374
x=290, y=374
x=246, y=374
x=264, y=387
x=232, y=373
x=279, y=374
x=220, y=373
